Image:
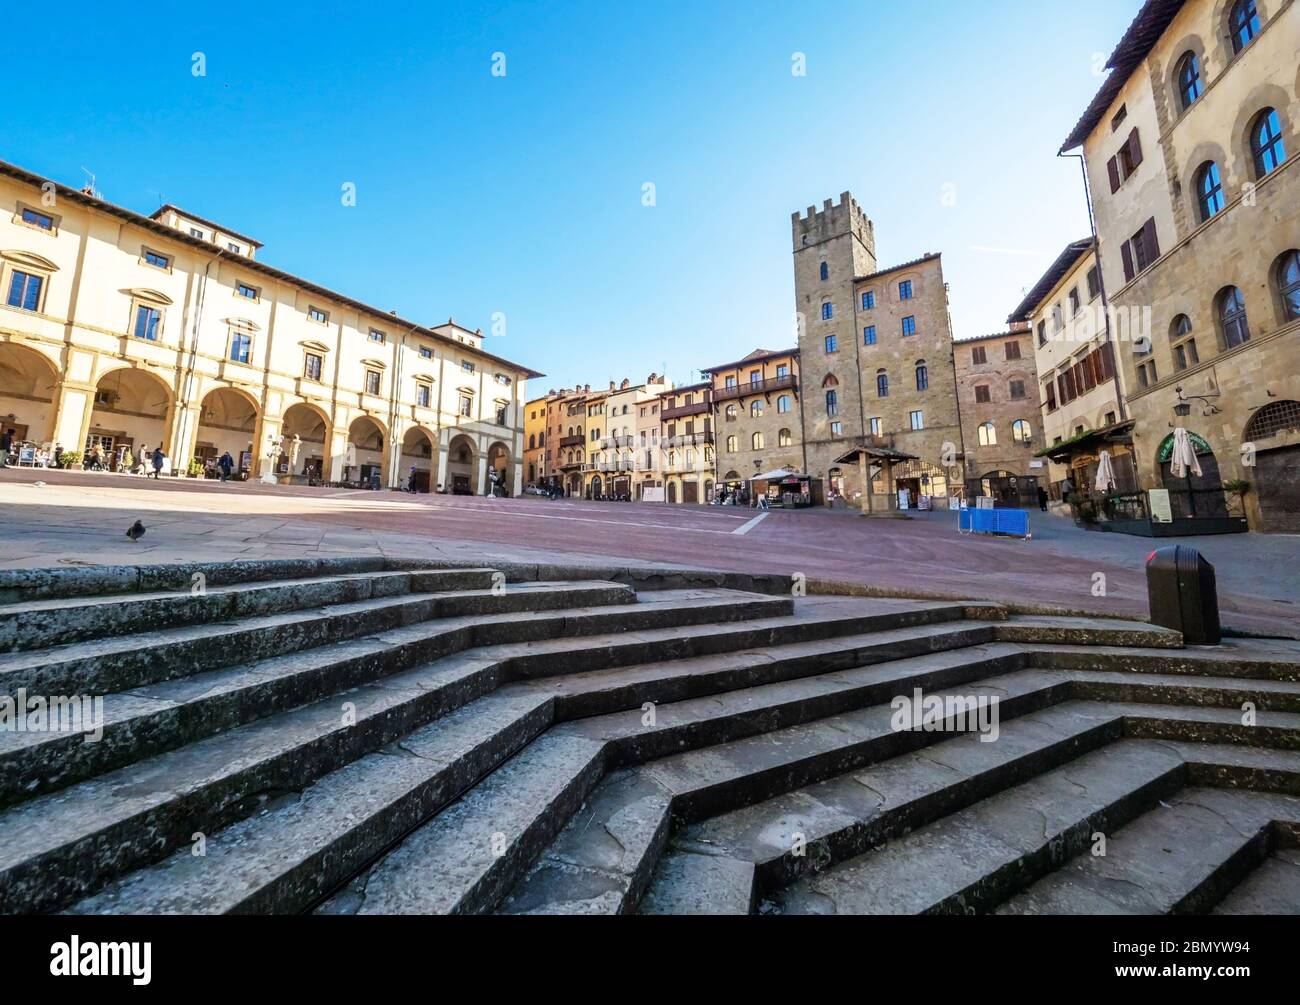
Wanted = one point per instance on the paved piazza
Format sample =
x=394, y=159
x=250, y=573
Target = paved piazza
x=58, y=517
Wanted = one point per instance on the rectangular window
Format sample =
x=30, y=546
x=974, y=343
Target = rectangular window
x=837, y=429
x=783, y=370
x=1012, y=350
x=755, y=376
x=869, y=335
x=1074, y=302
x=318, y=315
x=422, y=395
x=195, y=232
x=504, y=381
x=830, y=343
x=918, y=420
x=982, y=393
x=312, y=366
x=828, y=311
x=909, y=325
x=42, y=220
x=875, y=427
x=241, y=346
x=146, y=322
x=377, y=336
x=372, y=382
x=869, y=300
x=467, y=366
x=1140, y=250
x=1094, y=283
x=731, y=381
x=156, y=260
x=905, y=290
x=1017, y=389
x=978, y=356
x=1050, y=393
x=247, y=292
x=25, y=290
x=426, y=352
x=1042, y=333
x=234, y=247
x=466, y=406
x=501, y=414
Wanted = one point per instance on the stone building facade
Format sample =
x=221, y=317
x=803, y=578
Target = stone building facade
x=875, y=350
x=686, y=443
x=120, y=331
x=1191, y=148
x=756, y=415
x=997, y=387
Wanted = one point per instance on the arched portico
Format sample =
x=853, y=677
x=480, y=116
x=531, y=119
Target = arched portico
x=133, y=410
x=227, y=424
x=462, y=462
x=365, y=451
x=28, y=394
x=311, y=426
x=498, y=461
x=419, y=449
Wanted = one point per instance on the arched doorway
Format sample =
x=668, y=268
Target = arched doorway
x=227, y=422
x=498, y=457
x=461, y=460
x=311, y=426
x=1273, y=433
x=1193, y=495
x=28, y=383
x=417, y=454
x=672, y=492
x=132, y=412
x=366, y=460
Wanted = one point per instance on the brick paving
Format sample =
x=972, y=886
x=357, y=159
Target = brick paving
x=78, y=517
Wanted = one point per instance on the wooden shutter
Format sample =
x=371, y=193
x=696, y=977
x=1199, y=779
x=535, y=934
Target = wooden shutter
x=1112, y=168
x=1134, y=148
x=1149, y=240
x=1127, y=254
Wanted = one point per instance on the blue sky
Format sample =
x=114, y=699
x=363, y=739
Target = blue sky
x=522, y=194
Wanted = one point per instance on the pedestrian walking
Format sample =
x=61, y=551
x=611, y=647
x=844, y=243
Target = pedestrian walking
x=225, y=462
x=410, y=481
x=157, y=458
x=6, y=444
x=1042, y=499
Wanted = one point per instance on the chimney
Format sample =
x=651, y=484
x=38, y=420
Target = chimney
x=626, y=384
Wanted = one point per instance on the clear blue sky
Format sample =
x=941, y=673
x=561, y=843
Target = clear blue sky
x=523, y=194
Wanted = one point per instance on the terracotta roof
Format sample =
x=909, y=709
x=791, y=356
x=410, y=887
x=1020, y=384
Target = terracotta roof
x=1055, y=273
x=171, y=206
x=896, y=268
x=251, y=264
x=753, y=357
x=985, y=338
x=1138, y=40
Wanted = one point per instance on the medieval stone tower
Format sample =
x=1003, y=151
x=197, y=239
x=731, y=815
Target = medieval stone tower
x=831, y=247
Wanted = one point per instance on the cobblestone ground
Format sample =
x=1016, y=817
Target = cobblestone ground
x=74, y=517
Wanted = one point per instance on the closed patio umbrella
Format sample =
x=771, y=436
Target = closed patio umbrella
x=1183, y=459
x=1105, y=472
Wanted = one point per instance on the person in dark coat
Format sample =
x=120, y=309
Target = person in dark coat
x=1042, y=498
x=157, y=459
x=226, y=463
x=6, y=444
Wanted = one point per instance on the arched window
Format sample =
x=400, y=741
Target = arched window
x=1182, y=325
x=783, y=403
x=830, y=381
x=732, y=443
x=1288, y=284
x=731, y=413
x=882, y=384
x=756, y=409
x=922, y=376
x=832, y=403
x=1243, y=24
x=1189, y=80
x=1209, y=190
x=532, y=441
x=826, y=272
x=827, y=311
x=1232, y=317
x=783, y=438
x=1021, y=432
x=988, y=435
x=1266, y=145
x=757, y=441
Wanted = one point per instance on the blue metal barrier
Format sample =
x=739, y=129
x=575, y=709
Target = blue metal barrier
x=1012, y=522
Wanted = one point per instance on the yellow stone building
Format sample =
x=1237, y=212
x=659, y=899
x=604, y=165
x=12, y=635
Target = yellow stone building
x=120, y=331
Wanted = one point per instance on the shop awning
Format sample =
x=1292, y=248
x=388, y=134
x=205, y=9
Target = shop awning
x=876, y=454
x=780, y=474
x=1092, y=439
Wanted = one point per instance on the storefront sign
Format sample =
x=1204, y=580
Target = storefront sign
x=1158, y=501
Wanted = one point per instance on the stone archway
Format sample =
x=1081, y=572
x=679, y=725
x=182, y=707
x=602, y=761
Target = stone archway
x=462, y=459
x=311, y=426
x=1273, y=435
x=227, y=424
x=29, y=383
x=419, y=448
x=133, y=411
x=498, y=460
x=366, y=455
x=1193, y=495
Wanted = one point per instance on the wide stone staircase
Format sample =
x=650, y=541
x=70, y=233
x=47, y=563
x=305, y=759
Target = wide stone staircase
x=371, y=736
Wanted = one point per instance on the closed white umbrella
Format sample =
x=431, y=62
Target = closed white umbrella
x=1183, y=459
x=1105, y=472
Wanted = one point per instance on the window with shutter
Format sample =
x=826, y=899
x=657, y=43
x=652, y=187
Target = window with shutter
x=1112, y=168
x=1134, y=149
x=1149, y=241
x=1127, y=254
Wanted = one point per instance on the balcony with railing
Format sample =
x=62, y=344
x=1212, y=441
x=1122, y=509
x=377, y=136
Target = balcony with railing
x=688, y=440
x=573, y=441
x=741, y=389
x=685, y=411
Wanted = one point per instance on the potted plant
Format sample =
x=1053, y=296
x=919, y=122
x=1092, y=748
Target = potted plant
x=70, y=459
x=195, y=469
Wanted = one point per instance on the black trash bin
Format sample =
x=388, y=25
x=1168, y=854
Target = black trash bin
x=1183, y=596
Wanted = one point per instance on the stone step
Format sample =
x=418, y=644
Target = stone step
x=687, y=883
x=120, y=663
x=39, y=624
x=306, y=844
x=971, y=860
x=1273, y=888
x=153, y=718
x=1269, y=659
x=465, y=858
x=1180, y=857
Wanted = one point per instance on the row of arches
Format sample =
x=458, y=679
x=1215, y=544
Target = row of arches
x=134, y=410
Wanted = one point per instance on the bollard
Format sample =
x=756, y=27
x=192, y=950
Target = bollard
x=1182, y=593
